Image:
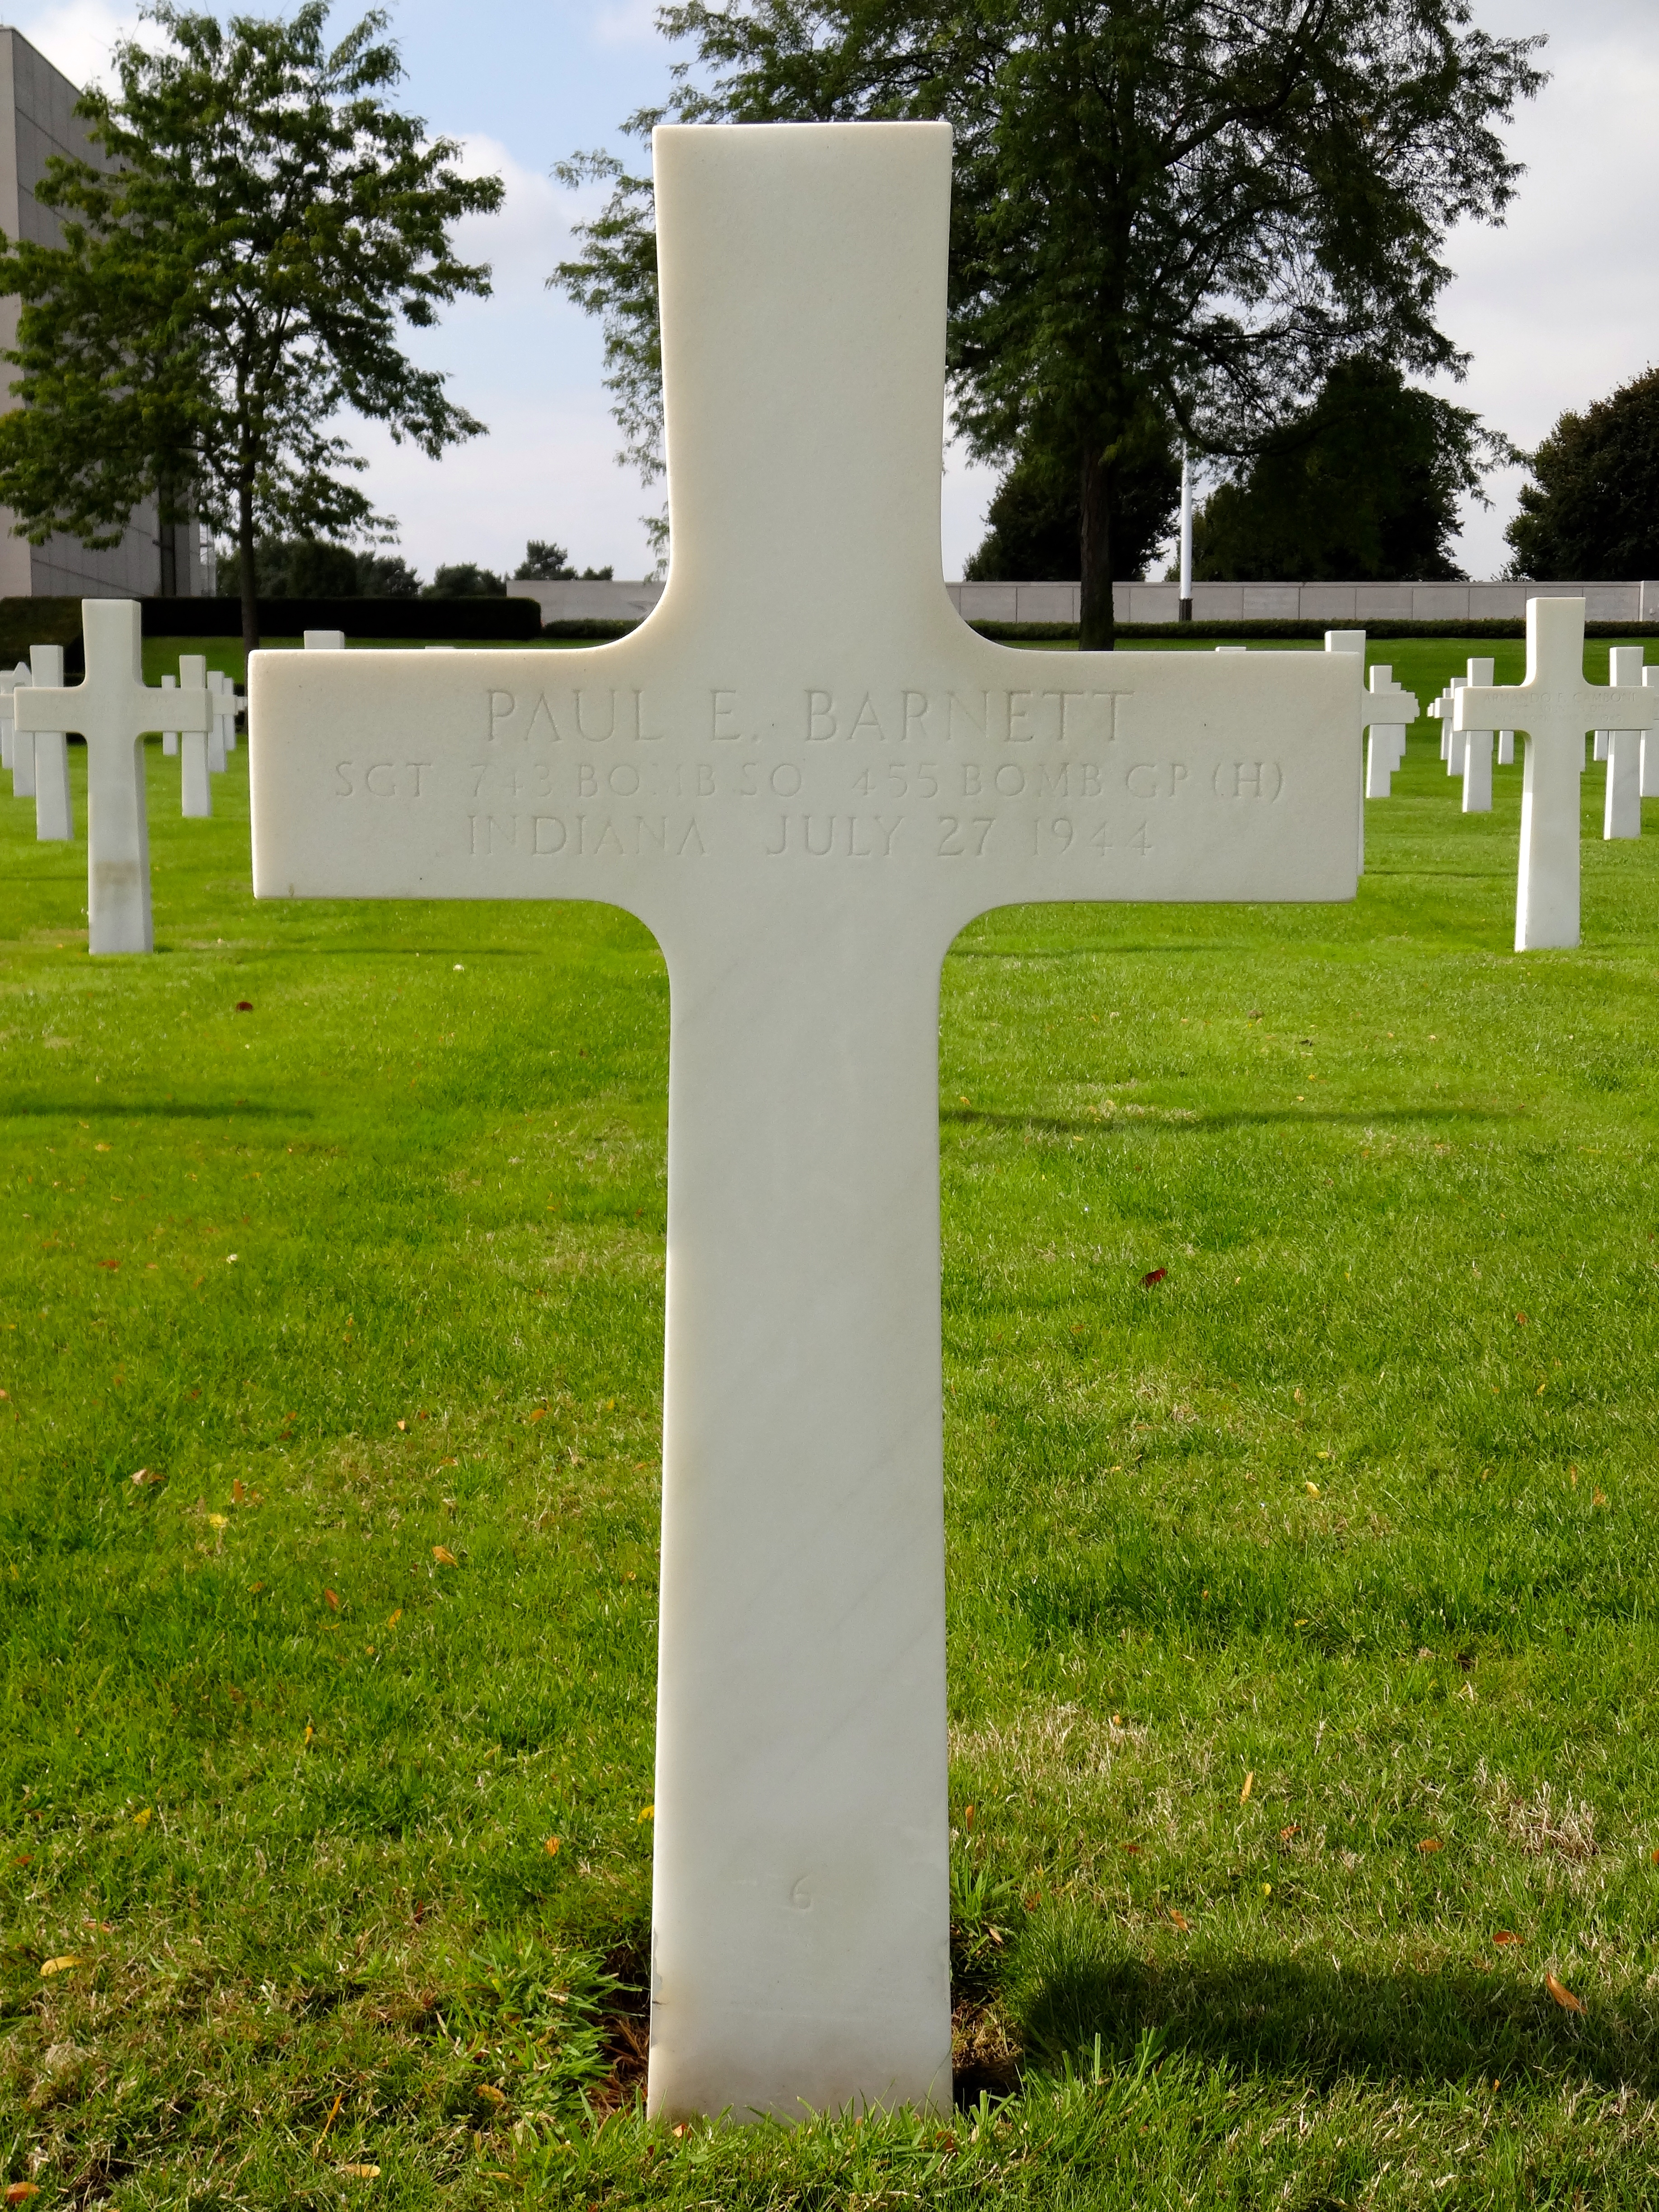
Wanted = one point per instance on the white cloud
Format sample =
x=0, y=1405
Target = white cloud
x=76, y=36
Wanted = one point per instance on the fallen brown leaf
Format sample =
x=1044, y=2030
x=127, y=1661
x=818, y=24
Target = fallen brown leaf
x=1180, y=1920
x=1504, y=1936
x=1562, y=1995
x=330, y=1601
x=1430, y=1844
x=20, y=2192
x=551, y=1846
x=488, y=2089
x=61, y=1966
x=1249, y=1784
x=358, y=2173
x=444, y=1556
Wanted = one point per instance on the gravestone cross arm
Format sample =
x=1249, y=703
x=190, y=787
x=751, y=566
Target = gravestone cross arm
x=804, y=774
x=1555, y=705
x=112, y=709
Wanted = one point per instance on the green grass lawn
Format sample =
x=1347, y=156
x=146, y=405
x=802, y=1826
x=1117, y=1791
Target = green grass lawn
x=1302, y=1607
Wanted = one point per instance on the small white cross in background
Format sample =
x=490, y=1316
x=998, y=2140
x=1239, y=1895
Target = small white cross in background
x=1477, y=751
x=1621, y=815
x=54, y=812
x=195, y=774
x=1386, y=747
x=112, y=709
x=1555, y=706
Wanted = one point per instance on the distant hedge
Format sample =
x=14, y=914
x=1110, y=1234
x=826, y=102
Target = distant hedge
x=1374, y=626
x=56, y=621
x=429, y=618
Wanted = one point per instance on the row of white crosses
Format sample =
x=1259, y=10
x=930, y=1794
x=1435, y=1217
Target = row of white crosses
x=38, y=761
x=1468, y=754
x=1554, y=706
x=111, y=709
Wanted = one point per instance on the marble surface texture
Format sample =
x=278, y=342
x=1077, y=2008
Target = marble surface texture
x=805, y=775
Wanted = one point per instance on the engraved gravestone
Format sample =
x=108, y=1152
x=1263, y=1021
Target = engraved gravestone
x=1555, y=706
x=805, y=775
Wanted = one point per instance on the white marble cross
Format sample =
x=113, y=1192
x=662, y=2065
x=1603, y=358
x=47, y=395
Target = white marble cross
x=112, y=709
x=1386, y=747
x=1650, y=746
x=1477, y=751
x=169, y=737
x=1621, y=813
x=217, y=749
x=1455, y=748
x=22, y=743
x=54, y=810
x=1554, y=706
x=195, y=769
x=806, y=776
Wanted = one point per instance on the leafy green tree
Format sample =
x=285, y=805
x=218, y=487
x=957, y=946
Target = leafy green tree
x=1034, y=523
x=1166, y=212
x=466, y=579
x=386, y=576
x=543, y=563
x=303, y=568
x=1592, y=509
x=232, y=272
x=1366, y=484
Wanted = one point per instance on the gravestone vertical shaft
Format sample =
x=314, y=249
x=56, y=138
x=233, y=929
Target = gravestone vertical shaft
x=801, y=1909
x=805, y=775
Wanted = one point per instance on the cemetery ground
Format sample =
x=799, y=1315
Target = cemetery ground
x=1301, y=1378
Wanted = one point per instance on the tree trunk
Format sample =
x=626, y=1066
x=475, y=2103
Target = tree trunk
x=245, y=568
x=1099, y=624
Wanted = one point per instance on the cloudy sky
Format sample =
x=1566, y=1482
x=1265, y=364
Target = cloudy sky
x=1556, y=308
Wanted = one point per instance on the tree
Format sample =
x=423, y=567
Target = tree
x=1035, y=524
x=1168, y=215
x=386, y=576
x=1365, y=484
x=303, y=568
x=466, y=579
x=1592, y=509
x=543, y=563
x=232, y=273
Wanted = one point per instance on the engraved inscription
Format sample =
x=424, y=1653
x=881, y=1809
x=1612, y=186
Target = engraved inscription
x=1248, y=779
x=585, y=836
x=860, y=836
x=381, y=779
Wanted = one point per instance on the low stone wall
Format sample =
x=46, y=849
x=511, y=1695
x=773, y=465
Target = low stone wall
x=1335, y=603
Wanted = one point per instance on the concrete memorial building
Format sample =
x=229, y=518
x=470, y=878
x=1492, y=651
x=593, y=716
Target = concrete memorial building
x=37, y=120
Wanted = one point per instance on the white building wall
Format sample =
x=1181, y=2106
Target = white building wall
x=37, y=120
x=620, y=601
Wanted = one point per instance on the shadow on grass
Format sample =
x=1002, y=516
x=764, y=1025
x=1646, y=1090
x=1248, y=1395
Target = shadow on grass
x=1318, y=2021
x=115, y=1109
x=1155, y=1121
